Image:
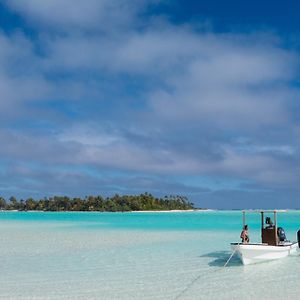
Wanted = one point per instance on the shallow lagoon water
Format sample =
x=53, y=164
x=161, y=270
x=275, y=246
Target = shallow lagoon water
x=138, y=256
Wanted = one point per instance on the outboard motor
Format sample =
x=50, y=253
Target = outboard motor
x=281, y=234
x=298, y=235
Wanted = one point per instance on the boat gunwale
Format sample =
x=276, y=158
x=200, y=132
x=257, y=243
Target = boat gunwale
x=263, y=244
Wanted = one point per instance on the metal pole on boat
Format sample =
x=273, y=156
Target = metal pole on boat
x=275, y=224
x=262, y=224
x=244, y=219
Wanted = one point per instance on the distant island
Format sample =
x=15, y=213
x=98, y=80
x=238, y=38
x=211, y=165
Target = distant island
x=117, y=203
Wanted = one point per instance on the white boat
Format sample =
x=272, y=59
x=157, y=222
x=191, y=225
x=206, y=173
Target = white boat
x=272, y=246
x=255, y=253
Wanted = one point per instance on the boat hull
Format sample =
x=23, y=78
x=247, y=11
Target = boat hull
x=256, y=253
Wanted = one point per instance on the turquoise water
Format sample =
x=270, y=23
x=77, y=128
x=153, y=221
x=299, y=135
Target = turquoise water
x=138, y=256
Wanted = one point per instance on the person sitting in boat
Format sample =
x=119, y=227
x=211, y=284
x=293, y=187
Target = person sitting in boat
x=244, y=235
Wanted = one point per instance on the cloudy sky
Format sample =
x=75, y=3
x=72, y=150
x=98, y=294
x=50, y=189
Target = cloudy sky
x=197, y=98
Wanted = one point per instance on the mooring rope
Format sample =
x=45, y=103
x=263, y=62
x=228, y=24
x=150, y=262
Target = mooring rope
x=198, y=277
x=229, y=258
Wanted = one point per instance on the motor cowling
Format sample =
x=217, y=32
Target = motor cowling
x=281, y=234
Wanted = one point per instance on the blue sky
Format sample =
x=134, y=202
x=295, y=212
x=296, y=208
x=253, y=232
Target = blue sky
x=197, y=98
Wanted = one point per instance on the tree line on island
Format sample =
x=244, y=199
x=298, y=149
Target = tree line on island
x=142, y=202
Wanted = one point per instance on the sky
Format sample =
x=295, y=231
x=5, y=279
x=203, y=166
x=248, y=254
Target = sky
x=192, y=98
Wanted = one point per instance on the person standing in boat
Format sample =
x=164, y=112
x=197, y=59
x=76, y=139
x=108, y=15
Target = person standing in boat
x=269, y=223
x=245, y=235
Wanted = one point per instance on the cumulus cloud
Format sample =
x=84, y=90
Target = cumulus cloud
x=226, y=83
x=18, y=80
x=146, y=97
x=65, y=15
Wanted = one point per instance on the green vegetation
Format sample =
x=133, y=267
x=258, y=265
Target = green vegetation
x=97, y=203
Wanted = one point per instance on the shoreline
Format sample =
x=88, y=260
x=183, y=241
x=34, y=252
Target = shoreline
x=152, y=211
x=172, y=210
x=132, y=211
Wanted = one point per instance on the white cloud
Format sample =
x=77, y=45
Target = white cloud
x=67, y=15
x=187, y=86
x=89, y=135
x=218, y=79
x=224, y=83
x=21, y=79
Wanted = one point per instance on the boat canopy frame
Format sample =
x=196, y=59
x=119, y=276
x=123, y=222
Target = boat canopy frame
x=268, y=234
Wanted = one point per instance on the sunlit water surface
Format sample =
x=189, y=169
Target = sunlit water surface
x=138, y=256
